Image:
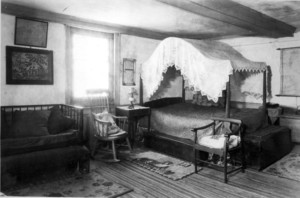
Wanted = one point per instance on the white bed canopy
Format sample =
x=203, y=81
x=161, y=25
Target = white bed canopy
x=205, y=65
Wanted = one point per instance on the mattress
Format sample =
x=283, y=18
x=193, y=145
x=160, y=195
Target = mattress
x=178, y=119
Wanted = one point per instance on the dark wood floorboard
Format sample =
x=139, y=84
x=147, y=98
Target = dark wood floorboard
x=207, y=183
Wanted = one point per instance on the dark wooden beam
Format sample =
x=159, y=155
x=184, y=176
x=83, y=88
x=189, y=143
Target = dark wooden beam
x=228, y=97
x=22, y=11
x=235, y=14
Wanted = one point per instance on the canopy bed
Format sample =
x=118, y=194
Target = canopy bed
x=206, y=67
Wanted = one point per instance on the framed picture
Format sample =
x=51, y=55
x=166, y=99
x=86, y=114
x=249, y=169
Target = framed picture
x=31, y=32
x=290, y=71
x=128, y=72
x=29, y=66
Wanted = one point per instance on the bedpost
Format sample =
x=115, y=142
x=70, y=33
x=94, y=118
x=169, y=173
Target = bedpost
x=141, y=91
x=265, y=90
x=183, y=90
x=227, y=113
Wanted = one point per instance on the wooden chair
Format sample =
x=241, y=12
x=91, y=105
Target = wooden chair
x=225, y=140
x=107, y=127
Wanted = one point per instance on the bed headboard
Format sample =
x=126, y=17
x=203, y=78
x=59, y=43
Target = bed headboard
x=163, y=102
x=170, y=76
x=167, y=101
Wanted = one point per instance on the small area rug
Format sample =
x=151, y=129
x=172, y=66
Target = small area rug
x=81, y=185
x=164, y=165
x=287, y=167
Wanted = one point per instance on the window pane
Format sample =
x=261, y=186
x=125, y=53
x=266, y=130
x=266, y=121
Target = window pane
x=90, y=63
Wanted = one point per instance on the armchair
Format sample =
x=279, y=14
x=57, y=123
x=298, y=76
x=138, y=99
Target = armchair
x=225, y=140
x=108, y=130
x=107, y=127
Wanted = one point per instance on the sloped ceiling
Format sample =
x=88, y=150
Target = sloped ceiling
x=196, y=19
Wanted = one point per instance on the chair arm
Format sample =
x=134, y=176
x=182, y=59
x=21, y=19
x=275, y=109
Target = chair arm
x=119, y=117
x=121, y=121
x=103, y=122
x=203, y=127
x=236, y=121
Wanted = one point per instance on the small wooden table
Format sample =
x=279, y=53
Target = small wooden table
x=133, y=116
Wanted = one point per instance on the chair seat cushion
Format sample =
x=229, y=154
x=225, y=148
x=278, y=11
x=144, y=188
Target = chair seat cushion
x=218, y=141
x=113, y=129
x=13, y=146
x=119, y=133
x=105, y=116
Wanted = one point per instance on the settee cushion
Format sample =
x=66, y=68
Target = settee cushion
x=57, y=122
x=29, y=124
x=14, y=146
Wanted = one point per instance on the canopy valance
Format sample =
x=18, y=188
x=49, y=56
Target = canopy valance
x=205, y=65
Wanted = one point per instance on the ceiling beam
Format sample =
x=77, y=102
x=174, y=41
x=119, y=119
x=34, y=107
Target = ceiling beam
x=26, y=12
x=235, y=14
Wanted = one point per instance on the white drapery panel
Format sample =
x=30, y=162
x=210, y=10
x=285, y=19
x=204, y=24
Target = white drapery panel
x=205, y=65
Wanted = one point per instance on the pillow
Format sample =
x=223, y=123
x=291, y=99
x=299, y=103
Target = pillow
x=29, y=124
x=218, y=141
x=107, y=117
x=254, y=120
x=57, y=122
x=201, y=100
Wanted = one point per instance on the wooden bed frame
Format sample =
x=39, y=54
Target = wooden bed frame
x=174, y=146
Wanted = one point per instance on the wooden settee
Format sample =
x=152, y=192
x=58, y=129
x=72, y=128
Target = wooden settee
x=36, y=138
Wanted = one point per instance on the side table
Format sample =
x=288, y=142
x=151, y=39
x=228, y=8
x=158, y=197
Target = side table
x=133, y=116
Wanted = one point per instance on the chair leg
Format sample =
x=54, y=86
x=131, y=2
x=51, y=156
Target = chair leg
x=225, y=166
x=128, y=144
x=114, y=151
x=94, y=147
x=243, y=159
x=195, y=160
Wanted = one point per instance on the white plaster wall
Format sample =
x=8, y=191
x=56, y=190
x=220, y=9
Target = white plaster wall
x=265, y=50
x=137, y=48
x=35, y=94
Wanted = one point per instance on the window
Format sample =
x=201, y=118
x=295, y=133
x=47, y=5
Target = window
x=91, y=54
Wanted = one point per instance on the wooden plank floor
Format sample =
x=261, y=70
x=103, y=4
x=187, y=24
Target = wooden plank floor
x=207, y=183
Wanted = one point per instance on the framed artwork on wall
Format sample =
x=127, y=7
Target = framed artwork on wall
x=29, y=66
x=31, y=32
x=129, y=72
x=290, y=71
